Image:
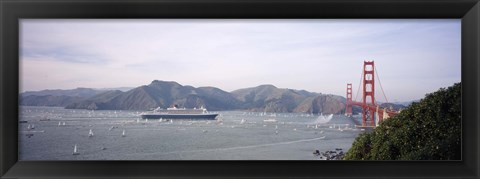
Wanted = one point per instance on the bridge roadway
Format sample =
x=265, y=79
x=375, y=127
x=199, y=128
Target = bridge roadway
x=372, y=107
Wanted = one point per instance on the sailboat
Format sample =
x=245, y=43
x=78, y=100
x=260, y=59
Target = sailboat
x=90, y=133
x=75, y=152
x=29, y=127
x=59, y=123
x=123, y=133
x=33, y=126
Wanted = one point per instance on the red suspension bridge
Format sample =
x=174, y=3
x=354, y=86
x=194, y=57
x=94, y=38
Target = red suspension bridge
x=372, y=113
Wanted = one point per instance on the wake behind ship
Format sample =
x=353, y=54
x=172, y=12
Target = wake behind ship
x=180, y=113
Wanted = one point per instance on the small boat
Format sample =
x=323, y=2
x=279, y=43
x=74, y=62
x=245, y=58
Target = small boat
x=242, y=122
x=63, y=124
x=59, y=123
x=90, y=133
x=22, y=121
x=270, y=120
x=29, y=127
x=123, y=133
x=45, y=119
x=276, y=132
x=75, y=152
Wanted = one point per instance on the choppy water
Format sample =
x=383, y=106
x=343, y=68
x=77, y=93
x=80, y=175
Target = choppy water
x=236, y=136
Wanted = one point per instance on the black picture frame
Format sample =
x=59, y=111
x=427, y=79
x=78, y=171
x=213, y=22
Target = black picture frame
x=13, y=10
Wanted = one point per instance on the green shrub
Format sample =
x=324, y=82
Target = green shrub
x=426, y=130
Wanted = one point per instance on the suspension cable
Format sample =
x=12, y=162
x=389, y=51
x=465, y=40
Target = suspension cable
x=383, y=92
x=359, y=84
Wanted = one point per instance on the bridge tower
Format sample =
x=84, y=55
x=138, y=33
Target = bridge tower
x=368, y=114
x=348, y=107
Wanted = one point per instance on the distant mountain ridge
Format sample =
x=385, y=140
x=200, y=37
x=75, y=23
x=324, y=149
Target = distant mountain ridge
x=263, y=98
x=78, y=92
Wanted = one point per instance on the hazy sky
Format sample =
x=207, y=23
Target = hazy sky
x=412, y=57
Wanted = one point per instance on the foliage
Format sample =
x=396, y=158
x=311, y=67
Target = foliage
x=426, y=130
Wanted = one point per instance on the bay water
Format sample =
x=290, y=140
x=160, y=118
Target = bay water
x=51, y=133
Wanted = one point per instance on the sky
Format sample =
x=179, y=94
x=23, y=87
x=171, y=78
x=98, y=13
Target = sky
x=412, y=57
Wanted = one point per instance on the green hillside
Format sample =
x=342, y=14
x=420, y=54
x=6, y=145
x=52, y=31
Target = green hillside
x=426, y=130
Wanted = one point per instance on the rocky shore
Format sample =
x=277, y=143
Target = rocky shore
x=336, y=154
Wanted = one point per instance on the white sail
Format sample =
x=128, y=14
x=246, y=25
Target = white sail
x=90, y=133
x=123, y=133
x=75, y=152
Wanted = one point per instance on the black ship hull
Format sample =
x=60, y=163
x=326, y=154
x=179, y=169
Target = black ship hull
x=180, y=116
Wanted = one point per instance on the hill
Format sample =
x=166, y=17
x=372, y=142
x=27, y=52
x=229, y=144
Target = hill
x=49, y=100
x=160, y=94
x=56, y=97
x=268, y=98
x=78, y=92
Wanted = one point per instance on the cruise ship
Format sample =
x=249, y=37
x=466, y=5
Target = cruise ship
x=179, y=113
